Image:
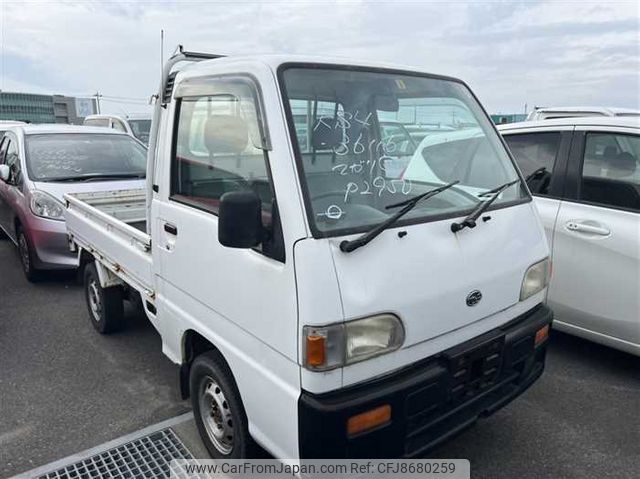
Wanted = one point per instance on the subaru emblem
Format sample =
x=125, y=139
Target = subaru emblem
x=474, y=297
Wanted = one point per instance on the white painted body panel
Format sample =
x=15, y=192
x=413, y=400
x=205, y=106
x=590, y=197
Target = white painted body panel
x=596, y=278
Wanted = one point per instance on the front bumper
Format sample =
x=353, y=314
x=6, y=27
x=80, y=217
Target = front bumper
x=50, y=243
x=431, y=400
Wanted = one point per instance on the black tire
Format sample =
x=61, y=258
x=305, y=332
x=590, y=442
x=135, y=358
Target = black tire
x=27, y=256
x=207, y=368
x=105, y=305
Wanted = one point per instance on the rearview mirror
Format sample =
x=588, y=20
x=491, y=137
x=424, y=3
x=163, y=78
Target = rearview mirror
x=240, y=220
x=5, y=173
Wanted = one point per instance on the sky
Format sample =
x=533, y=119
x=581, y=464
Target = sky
x=511, y=53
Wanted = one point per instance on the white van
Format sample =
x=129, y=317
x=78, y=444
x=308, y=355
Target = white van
x=137, y=126
x=316, y=305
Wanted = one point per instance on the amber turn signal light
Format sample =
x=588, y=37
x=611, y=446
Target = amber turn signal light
x=541, y=335
x=368, y=420
x=315, y=350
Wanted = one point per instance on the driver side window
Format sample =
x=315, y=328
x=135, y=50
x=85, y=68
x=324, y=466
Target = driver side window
x=215, y=153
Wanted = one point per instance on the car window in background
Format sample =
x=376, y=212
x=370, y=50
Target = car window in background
x=4, y=143
x=104, y=122
x=72, y=156
x=533, y=151
x=119, y=126
x=12, y=160
x=611, y=170
x=141, y=129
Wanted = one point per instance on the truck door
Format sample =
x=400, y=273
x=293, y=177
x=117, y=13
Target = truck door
x=242, y=300
x=596, y=254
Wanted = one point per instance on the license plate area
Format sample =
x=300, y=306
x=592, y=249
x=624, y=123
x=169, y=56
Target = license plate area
x=476, y=368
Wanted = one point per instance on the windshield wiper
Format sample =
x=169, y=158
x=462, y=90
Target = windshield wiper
x=470, y=220
x=348, y=246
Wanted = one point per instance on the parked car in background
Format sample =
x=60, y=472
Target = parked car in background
x=39, y=164
x=6, y=124
x=579, y=111
x=585, y=176
x=137, y=126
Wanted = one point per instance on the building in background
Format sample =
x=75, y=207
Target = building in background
x=33, y=108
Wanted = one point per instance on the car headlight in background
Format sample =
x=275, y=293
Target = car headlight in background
x=536, y=278
x=337, y=345
x=46, y=206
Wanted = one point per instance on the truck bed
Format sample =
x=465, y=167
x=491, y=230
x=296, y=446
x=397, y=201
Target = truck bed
x=111, y=226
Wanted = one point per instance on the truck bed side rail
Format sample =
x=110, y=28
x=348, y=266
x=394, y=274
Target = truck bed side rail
x=110, y=240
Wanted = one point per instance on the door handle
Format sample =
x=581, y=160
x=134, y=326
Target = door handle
x=584, y=227
x=171, y=229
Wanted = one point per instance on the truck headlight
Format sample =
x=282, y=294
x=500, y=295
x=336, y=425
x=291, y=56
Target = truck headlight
x=337, y=345
x=536, y=278
x=46, y=206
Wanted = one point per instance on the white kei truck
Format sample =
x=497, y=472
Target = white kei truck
x=327, y=291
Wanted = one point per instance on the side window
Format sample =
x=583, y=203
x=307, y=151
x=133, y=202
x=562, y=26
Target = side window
x=118, y=126
x=13, y=161
x=4, y=142
x=97, y=122
x=533, y=152
x=217, y=151
x=611, y=170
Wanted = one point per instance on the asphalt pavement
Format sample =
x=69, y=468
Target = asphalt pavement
x=64, y=388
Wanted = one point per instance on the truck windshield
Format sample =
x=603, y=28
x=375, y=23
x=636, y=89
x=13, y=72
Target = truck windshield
x=355, y=155
x=68, y=156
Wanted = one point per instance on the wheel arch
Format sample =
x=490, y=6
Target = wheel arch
x=193, y=345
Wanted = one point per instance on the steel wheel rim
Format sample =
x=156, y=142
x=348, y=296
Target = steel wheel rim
x=216, y=416
x=23, y=248
x=94, y=300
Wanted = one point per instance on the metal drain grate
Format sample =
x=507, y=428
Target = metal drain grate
x=146, y=457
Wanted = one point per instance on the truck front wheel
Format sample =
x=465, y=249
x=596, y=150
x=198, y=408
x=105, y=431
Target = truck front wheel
x=218, y=410
x=105, y=305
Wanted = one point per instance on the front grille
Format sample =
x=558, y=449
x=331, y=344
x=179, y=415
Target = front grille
x=467, y=371
x=146, y=457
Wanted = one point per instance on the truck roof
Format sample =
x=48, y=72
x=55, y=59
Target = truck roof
x=276, y=60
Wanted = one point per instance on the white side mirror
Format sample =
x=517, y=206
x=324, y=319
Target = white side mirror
x=5, y=173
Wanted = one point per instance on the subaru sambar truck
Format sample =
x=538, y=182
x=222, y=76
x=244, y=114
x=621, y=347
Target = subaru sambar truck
x=326, y=292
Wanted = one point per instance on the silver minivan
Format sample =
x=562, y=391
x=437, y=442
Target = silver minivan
x=39, y=164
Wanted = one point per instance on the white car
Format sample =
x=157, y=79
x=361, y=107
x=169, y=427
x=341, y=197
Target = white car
x=579, y=111
x=585, y=176
x=6, y=124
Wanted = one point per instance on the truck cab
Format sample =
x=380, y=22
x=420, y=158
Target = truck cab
x=320, y=301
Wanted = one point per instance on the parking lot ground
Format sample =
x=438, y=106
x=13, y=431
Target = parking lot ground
x=64, y=389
